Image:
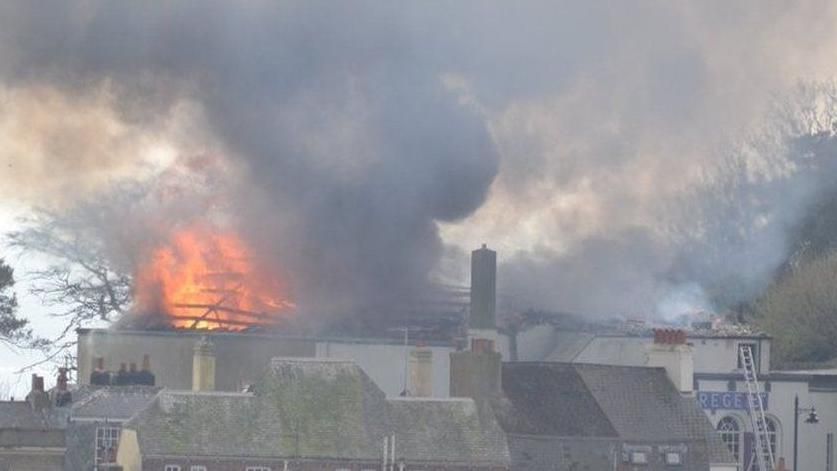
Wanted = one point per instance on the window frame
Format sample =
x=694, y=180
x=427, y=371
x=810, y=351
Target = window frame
x=731, y=436
x=107, y=434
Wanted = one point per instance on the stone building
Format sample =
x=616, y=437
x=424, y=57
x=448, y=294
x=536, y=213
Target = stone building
x=577, y=416
x=311, y=414
x=32, y=432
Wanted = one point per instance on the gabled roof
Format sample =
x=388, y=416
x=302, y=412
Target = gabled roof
x=317, y=409
x=633, y=404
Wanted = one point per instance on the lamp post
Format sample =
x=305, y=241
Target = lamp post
x=811, y=419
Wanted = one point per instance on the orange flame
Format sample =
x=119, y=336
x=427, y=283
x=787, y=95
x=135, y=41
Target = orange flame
x=204, y=279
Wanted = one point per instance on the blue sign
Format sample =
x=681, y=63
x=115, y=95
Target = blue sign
x=726, y=400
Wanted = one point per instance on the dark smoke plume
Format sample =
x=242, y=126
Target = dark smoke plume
x=585, y=137
x=352, y=146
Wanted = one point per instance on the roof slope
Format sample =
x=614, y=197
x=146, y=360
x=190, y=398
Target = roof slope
x=113, y=402
x=23, y=426
x=549, y=399
x=20, y=415
x=637, y=404
x=642, y=404
x=317, y=409
x=447, y=431
x=206, y=424
x=333, y=406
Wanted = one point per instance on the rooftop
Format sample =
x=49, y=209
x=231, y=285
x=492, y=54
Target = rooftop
x=318, y=409
x=633, y=404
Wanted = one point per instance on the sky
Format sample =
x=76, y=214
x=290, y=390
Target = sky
x=363, y=149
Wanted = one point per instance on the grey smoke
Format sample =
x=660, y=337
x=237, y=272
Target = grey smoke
x=571, y=128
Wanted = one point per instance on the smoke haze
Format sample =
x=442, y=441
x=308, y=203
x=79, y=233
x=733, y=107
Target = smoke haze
x=368, y=145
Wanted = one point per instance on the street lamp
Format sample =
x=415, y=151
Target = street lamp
x=811, y=419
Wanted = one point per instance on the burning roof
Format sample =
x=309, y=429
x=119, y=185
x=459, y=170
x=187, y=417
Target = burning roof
x=204, y=278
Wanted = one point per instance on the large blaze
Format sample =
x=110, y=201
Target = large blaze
x=203, y=278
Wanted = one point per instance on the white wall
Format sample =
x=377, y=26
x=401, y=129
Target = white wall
x=384, y=363
x=711, y=355
x=780, y=407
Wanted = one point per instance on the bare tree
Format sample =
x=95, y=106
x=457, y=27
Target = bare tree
x=79, y=282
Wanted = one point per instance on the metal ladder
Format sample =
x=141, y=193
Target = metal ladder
x=764, y=452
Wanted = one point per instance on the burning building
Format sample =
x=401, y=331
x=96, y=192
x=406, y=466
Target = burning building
x=198, y=304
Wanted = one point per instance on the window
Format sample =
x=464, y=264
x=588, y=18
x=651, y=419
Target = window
x=673, y=458
x=172, y=467
x=731, y=435
x=772, y=436
x=107, y=442
x=257, y=468
x=197, y=468
x=639, y=457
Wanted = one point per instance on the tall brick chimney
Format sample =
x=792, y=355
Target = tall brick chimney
x=482, y=322
x=203, y=365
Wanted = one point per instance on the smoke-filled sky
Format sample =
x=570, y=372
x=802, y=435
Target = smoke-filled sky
x=365, y=147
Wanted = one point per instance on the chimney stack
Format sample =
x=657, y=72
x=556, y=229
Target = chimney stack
x=482, y=322
x=421, y=372
x=671, y=351
x=100, y=376
x=62, y=393
x=203, y=366
x=37, y=397
x=476, y=373
x=145, y=376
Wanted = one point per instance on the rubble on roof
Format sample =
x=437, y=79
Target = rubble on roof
x=701, y=324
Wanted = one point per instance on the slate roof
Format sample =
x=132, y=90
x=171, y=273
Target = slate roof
x=22, y=426
x=112, y=402
x=549, y=399
x=635, y=404
x=447, y=431
x=317, y=409
x=20, y=415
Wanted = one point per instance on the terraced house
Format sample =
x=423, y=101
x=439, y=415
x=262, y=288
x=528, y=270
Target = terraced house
x=311, y=414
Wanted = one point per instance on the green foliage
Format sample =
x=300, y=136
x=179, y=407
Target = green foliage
x=800, y=311
x=13, y=329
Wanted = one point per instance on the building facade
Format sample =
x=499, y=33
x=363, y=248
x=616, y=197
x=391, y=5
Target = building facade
x=313, y=414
